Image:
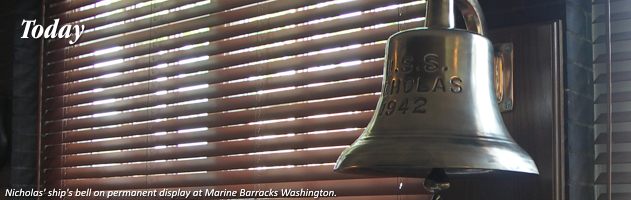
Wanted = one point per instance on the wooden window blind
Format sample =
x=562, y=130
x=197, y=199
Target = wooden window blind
x=223, y=94
x=614, y=46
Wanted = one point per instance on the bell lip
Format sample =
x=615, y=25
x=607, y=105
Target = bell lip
x=376, y=155
x=423, y=172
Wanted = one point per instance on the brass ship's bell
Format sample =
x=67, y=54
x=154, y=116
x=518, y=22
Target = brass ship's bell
x=438, y=108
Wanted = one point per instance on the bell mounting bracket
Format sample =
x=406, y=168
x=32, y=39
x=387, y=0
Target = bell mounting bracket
x=503, y=75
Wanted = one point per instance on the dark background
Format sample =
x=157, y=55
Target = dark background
x=19, y=61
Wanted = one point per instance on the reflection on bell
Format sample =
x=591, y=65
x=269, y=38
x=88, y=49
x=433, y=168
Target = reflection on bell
x=437, y=108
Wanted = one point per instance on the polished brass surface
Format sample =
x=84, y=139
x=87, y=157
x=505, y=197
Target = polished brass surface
x=435, y=15
x=438, y=107
x=472, y=14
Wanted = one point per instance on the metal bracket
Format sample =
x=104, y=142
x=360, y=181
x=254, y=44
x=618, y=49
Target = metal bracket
x=503, y=75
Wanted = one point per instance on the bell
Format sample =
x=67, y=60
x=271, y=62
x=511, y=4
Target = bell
x=437, y=110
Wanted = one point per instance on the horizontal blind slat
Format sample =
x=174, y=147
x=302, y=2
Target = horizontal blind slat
x=614, y=17
x=221, y=90
x=130, y=13
x=149, y=28
x=620, y=51
x=157, y=21
x=614, y=37
x=617, y=117
x=244, y=131
x=300, y=141
x=223, y=46
x=68, y=5
x=618, y=137
x=616, y=57
x=279, y=112
x=204, y=65
x=616, y=77
x=208, y=164
x=212, y=149
x=365, y=52
x=221, y=32
x=359, y=37
x=617, y=178
x=212, y=20
x=299, y=94
x=298, y=63
x=605, y=1
x=276, y=115
x=241, y=132
x=170, y=139
x=90, y=18
x=616, y=97
x=615, y=196
x=618, y=158
x=212, y=178
x=70, y=17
